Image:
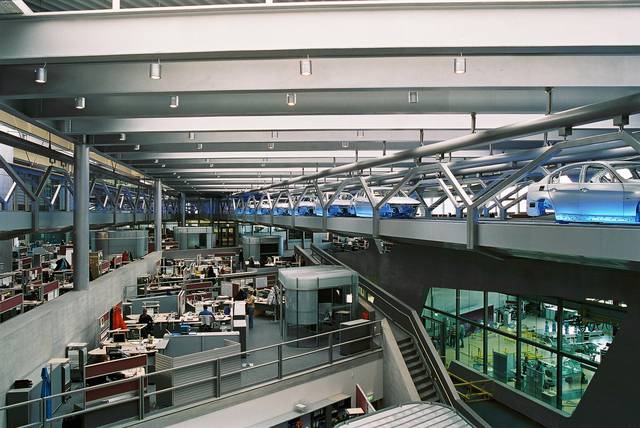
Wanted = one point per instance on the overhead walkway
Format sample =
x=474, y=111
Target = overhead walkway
x=602, y=244
x=16, y=223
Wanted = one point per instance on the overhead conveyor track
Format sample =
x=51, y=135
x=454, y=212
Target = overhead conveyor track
x=455, y=181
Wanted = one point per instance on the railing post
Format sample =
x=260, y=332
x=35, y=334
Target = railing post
x=330, y=348
x=141, y=398
x=280, y=361
x=218, y=379
x=43, y=413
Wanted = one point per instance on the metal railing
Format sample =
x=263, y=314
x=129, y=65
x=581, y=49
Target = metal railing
x=409, y=320
x=219, y=390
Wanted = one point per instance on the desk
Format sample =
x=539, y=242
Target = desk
x=131, y=348
x=169, y=318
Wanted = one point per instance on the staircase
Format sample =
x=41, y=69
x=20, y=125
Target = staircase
x=418, y=371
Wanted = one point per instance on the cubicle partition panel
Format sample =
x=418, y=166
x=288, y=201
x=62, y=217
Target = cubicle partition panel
x=109, y=392
x=14, y=302
x=194, y=360
x=103, y=369
x=197, y=287
x=167, y=303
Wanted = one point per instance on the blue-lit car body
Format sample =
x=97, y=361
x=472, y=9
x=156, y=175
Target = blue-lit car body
x=398, y=206
x=306, y=206
x=589, y=192
x=263, y=207
x=281, y=208
x=341, y=206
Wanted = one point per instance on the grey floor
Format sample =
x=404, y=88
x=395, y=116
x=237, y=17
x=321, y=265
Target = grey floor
x=267, y=332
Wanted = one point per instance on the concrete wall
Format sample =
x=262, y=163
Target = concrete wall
x=29, y=340
x=398, y=385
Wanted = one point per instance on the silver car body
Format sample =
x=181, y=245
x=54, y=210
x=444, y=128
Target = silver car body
x=597, y=191
x=398, y=206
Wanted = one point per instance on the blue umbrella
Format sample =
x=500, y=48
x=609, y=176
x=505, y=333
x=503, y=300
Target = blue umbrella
x=45, y=390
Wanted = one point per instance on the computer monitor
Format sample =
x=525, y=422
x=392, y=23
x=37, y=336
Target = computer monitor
x=119, y=337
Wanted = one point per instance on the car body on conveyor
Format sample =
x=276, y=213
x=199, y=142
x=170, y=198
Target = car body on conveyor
x=589, y=192
x=306, y=206
x=340, y=207
x=281, y=208
x=398, y=206
x=264, y=207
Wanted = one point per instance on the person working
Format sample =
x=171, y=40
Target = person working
x=206, y=317
x=241, y=294
x=210, y=272
x=145, y=318
x=250, y=302
x=206, y=311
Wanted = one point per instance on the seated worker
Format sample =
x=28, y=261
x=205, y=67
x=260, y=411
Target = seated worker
x=205, y=311
x=210, y=272
x=145, y=318
x=241, y=294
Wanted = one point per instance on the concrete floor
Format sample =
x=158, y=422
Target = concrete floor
x=267, y=332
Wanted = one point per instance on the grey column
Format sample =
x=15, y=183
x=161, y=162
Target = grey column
x=183, y=208
x=158, y=216
x=81, y=217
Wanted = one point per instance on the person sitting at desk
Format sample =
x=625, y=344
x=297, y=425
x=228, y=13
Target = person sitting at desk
x=210, y=272
x=205, y=311
x=145, y=318
x=241, y=294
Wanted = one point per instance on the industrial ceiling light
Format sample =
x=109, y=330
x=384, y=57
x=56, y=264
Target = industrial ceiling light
x=173, y=173
x=177, y=176
x=136, y=147
x=271, y=146
x=210, y=165
x=192, y=135
x=345, y=144
x=460, y=65
x=163, y=165
x=123, y=136
x=199, y=146
x=360, y=133
x=80, y=103
x=155, y=70
x=291, y=99
x=41, y=74
x=174, y=102
x=155, y=161
x=413, y=97
x=305, y=67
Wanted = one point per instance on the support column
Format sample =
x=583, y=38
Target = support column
x=183, y=208
x=158, y=216
x=81, y=217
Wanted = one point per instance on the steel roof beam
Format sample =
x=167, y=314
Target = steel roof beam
x=574, y=117
x=96, y=126
x=207, y=33
x=342, y=73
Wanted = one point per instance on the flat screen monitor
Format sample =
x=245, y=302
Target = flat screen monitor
x=119, y=337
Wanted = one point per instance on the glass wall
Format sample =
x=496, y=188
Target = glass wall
x=547, y=348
